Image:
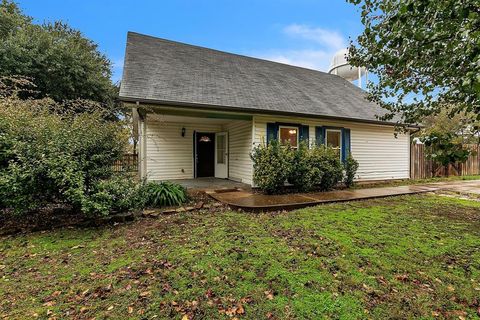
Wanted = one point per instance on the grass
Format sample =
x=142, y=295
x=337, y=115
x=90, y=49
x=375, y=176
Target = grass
x=395, y=183
x=404, y=257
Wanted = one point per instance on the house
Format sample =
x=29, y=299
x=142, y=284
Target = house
x=199, y=112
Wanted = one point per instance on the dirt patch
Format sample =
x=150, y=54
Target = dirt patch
x=55, y=216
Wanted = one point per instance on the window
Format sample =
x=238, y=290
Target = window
x=289, y=135
x=334, y=140
x=221, y=149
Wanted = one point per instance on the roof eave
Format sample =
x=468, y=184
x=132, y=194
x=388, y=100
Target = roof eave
x=255, y=111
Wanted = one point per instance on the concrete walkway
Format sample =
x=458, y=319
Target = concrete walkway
x=249, y=201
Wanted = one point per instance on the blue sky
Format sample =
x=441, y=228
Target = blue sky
x=300, y=32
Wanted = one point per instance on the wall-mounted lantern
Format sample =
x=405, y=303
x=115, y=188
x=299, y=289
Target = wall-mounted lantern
x=183, y=132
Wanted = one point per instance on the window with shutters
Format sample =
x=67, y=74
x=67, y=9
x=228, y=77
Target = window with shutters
x=288, y=135
x=334, y=140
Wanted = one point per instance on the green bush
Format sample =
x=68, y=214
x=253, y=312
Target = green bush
x=272, y=165
x=351, y=167
x=47, y=156
x=116, y=194
x=304, y=175
x=305, y=168
x=161, y=194
x=327, y=161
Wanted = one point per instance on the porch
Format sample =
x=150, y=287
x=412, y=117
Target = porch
x=180, y=145
x=214, y=184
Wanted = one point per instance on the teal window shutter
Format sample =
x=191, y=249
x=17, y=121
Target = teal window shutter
x=345, y=143
x=304, y=133
x=272, y=132
x=319, y=135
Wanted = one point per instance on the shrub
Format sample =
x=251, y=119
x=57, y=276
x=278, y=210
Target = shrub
x=160, y=194
x=327, y=161
x=272, y=165
x=46, y=156
x=116, y=194
x=304, y=174
x=305, y=168
x=351, y=167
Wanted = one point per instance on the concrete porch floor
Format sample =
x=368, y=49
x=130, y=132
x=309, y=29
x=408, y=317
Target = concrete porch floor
x=211, y=184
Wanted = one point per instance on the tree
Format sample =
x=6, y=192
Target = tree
x=462, y=126
x=426, y=54
x=63, y=64
x=443, y=149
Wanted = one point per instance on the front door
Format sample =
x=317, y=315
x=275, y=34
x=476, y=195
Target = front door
x=221, y=155
x=205, y=154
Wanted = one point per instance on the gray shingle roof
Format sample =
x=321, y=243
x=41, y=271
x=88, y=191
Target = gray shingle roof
x=163, y=71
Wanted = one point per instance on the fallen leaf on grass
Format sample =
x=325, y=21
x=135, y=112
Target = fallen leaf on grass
x=110, y=308
x=145, y=294
x=246, y=300
x=269, y=295
x=382, y=280
x=130, y=309
x=56, y=293
x=402, y=277
x=238, y=309
x=209, y=293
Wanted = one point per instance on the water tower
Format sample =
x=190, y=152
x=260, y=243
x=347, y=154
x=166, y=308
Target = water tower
x=339, y=66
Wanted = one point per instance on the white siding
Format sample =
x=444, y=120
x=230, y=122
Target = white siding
x=240, y=145
x=169, y=155
x=380, y=154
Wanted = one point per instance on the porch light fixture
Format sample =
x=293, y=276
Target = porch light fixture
x=205, y=139
x=183, y=132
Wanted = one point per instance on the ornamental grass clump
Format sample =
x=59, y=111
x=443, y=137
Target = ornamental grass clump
x=162, y=194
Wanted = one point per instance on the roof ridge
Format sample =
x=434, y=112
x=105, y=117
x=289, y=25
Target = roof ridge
x=229, y=53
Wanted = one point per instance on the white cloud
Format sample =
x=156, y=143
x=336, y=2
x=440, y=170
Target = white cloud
x=311, y=59
x=327, y=41
x=327, y=38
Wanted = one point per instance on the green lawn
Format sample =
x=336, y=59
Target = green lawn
x=406, y=182
x=403, y=257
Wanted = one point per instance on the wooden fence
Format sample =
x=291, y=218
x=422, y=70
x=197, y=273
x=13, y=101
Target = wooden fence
x=128, y=163
x=422, y=168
